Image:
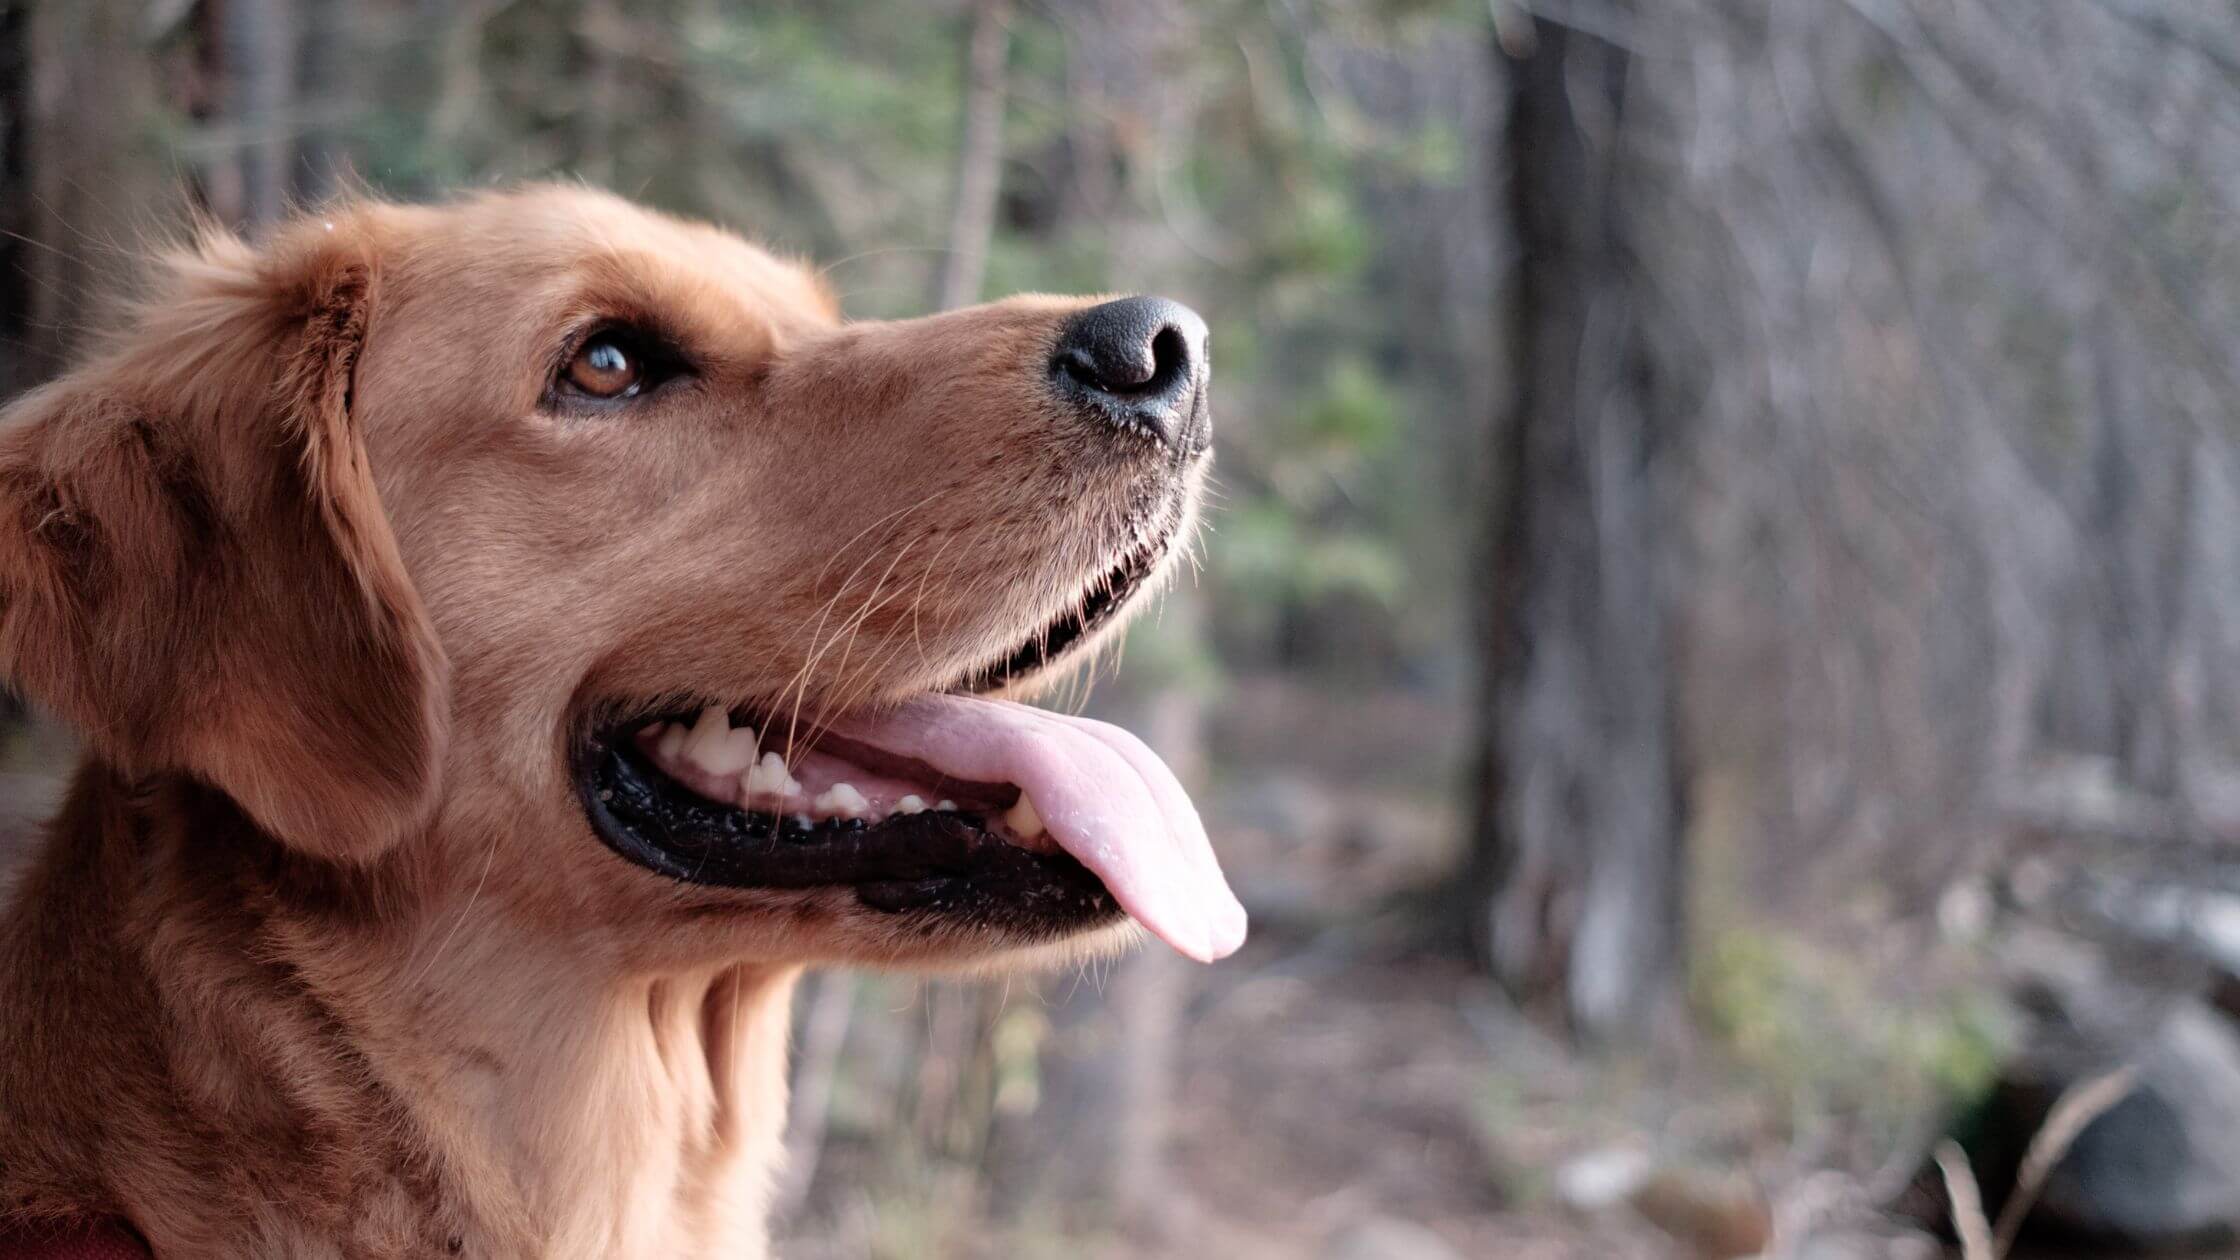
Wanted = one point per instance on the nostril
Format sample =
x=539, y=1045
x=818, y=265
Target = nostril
x=1170, y=355
x=1138, y=363
x=1129, y=369
x=1105, y=377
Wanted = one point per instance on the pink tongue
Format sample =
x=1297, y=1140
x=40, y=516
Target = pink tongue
x=1106, y=799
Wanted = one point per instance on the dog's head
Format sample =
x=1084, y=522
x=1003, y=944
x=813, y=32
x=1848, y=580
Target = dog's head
x=583, y=558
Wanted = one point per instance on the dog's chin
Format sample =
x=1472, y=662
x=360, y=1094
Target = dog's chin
x=946, y=870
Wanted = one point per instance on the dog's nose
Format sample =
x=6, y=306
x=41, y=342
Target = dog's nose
x=1139, y=364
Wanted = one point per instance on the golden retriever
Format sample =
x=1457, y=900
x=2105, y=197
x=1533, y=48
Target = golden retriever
x=511, y=639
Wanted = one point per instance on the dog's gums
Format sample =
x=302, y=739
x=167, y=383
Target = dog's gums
x=821, y=785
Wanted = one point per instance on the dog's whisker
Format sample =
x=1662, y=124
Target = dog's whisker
x=820, y=643
x=918, y=605
x=799, y=683
x=872, y=604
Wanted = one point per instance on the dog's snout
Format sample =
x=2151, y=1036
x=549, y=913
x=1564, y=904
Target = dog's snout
x=1139, y=364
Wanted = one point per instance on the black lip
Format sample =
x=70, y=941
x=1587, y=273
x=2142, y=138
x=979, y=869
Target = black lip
x=1108, y=595
x=945, y=864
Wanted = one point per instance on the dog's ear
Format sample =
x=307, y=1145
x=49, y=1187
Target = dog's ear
x=195, y=569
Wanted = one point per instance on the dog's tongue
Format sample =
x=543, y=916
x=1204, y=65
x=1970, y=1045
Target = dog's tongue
x=1104, y=797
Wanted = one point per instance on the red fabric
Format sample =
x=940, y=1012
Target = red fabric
x=77, y=1240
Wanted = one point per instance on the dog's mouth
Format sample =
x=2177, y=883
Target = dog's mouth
x=972, y=810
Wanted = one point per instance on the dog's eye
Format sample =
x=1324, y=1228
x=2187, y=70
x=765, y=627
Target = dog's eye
x=606, y=368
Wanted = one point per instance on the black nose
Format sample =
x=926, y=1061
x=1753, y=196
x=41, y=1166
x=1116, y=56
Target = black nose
x=1139, y=364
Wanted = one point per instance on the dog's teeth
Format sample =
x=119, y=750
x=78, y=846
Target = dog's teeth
x=946, y=806
x=729, y=753
x=671, y=744
x=911, y=804
x=770, y=776
x=705, y=745
x=1023, y=819
x=841, y=800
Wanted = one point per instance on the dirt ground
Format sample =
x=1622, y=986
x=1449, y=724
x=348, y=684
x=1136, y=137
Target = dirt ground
x=1327, y=1094
x=1334, y=1101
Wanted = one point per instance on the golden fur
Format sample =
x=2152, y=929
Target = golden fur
x=320, y=957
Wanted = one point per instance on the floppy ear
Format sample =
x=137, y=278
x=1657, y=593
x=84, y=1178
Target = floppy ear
x=195, y=569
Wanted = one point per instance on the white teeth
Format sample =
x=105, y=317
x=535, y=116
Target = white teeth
x=670, y=745
x=769, y=777
x=911, y=804
x=1023, y=819
x=710, y=735
x=946, y=806
x=841, y=800
x=730, y=753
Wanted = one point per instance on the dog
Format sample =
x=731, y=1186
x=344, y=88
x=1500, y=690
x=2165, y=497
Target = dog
x=511, y=639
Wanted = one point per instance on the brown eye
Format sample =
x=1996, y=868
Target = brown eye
x=605, y=368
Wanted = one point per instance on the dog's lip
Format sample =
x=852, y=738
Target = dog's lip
x=1099, y=601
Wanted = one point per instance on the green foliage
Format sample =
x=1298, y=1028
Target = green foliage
x=1822, y=1031
x=1356, y=413
x=1303, y=538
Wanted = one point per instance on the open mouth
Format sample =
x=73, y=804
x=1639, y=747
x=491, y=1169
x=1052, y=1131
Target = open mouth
x=952, y=807
x=700, y=799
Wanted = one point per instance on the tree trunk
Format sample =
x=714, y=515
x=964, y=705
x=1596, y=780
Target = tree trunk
x=598, y=28
x=17, y=207
x=1580, y=815
x=90, y=178
x=972, y=221
x=253, y=47
x=329, y=96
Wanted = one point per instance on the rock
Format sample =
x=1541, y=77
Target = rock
x=2159, y=1169
x=2162, y=1167
x=1388, y=1238
x=1603, y=1179
x=1717, y=1215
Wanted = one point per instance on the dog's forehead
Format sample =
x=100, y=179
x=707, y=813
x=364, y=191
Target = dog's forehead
x=551, y=235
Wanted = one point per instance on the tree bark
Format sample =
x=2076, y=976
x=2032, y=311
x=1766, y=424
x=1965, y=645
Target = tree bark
x=598, y=28
x=256, y=103
x=18, y=356
x=329, y=93
x=972, y=220
x=1579, y=814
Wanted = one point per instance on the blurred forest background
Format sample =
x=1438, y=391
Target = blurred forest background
x=1715, y=666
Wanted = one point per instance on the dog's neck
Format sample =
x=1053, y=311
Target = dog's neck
x=273, y=1063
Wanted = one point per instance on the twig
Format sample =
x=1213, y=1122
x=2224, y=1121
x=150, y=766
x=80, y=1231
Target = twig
x=1967, y=1203
x=2078, y=1107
